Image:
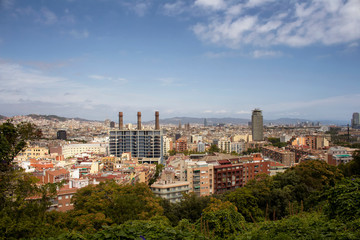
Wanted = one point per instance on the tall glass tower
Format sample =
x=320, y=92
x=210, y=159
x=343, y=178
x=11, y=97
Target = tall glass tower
x=355, y=123
x=257, y=125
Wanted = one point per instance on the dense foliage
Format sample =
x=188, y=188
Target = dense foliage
x=310, y=201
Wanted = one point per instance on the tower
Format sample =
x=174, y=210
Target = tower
x=257, y=125
x=355, y=121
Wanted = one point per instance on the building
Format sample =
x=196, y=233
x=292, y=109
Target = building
x=167, y=145
x=337, y=155
x=172, y=191
x=200, y=175
x=61, y=134
x=71, y=150
x=355, y=121
x=140, y=143
x=279, y=155
x=257, y=125
x=311, y=141
x=181, y=144
x=200, y=147
x=237, y=147
x=33, y=152
x=224, y=145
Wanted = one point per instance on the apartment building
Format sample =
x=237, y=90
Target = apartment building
x=181, y=144
x=279, y=155
x=337, y=155
x=172, y=191
x=200, y=177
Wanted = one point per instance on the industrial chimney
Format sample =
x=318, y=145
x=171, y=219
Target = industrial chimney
x=139, y=121
x=121, y=122
x=157, y=123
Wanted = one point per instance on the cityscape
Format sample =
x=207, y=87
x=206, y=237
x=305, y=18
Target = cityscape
x=200, y=119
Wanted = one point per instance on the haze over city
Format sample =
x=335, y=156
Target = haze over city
x=202, y=58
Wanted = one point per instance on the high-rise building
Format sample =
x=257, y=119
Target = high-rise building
x=61, y=134
x=205, y=122
x=140, y=143
x=257, y=125
x=355, y=121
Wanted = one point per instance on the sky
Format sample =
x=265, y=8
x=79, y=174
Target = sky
x=193, y=58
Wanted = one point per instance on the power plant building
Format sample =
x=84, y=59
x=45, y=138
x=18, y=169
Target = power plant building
x=144, y=144
x=257, y=125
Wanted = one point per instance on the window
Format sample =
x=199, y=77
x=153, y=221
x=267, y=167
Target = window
x=60, y=205
x=59, y=198
x=67, y=204
x=66, y=197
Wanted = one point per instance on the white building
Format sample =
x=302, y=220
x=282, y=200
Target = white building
x=71, y=150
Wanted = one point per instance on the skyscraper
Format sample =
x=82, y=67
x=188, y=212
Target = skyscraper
x=257, y=125
x=355, y=122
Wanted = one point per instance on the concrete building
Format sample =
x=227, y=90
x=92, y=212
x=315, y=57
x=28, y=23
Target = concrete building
x=237, y=147
x=279, y=155
x=61, y=134
x=33, y=152
x=71, y=150
x=224, y=145
x=257, y=125
x=168, y=145
x=355, y=121
x=337, y=155
x=200, y=175
x=311, y=141
x=181, y=144
x=172, y=191
x=201, y=147
x=140, y=143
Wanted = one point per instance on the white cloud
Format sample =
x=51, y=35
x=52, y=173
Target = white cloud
x=175, y=8
x=212, y=4
x=107, y=78
x=259, y=23
x=15, y=75
x=243, y=112
x=79, y=34
x=266, y=54
x=170, y=82
x=47, y=17
x=7, y=4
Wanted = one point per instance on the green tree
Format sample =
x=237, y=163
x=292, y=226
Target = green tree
x=23, y=203
x=246, y=203
x=344, y=200
x=351, y=168
x=213, y=148
x=222, y=219
x=119, y=203
x=13, y=139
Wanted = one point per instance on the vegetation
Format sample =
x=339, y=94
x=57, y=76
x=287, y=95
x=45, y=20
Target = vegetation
x=310, y=201
x=276, y=142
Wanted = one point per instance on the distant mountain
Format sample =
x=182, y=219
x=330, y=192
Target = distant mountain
x=55, y=117
x=287, y=121
x=2, y=117
x=210, y=121
x=238, y=121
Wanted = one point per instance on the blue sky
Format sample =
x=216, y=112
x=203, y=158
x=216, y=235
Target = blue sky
x=199, y=58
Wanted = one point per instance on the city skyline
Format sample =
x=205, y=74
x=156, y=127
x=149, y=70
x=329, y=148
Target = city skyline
x=201, y=58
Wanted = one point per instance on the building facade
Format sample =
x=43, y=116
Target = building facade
x=140, y=143
x=257, y=125
x=355, y=121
